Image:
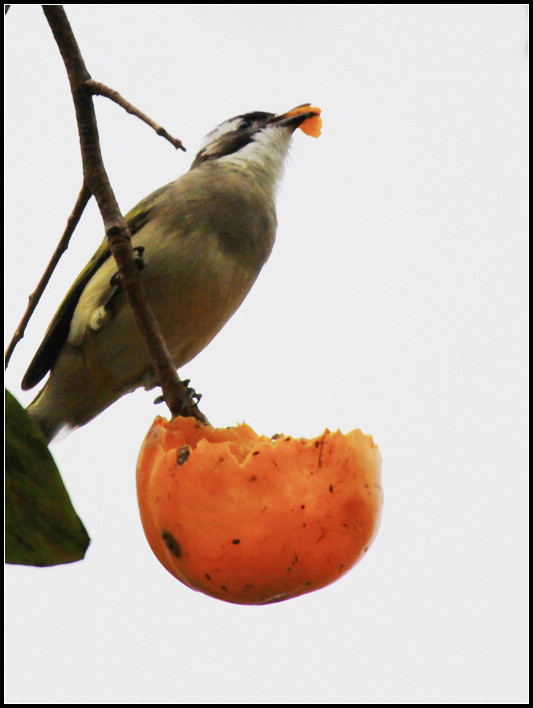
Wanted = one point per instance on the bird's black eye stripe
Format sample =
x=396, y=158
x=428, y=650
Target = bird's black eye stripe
x=242, y=133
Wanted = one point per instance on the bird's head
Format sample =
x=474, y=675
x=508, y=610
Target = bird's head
x=257, y=140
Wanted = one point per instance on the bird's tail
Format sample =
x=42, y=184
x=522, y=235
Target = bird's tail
x=47, y=416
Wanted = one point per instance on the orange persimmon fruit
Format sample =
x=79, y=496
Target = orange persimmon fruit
x=311, y=126
x=252, y=520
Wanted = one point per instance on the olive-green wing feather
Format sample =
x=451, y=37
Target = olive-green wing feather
x=57, y=332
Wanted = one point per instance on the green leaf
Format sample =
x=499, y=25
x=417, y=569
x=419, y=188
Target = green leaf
x=42, y=527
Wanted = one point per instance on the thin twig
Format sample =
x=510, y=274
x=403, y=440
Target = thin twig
x=175, y=391
x=61, y=247
x=99, y=89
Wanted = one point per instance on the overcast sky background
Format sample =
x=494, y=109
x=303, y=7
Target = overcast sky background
x=395, y=301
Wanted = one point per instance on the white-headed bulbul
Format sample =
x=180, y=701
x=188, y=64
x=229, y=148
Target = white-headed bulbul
x=205, y=237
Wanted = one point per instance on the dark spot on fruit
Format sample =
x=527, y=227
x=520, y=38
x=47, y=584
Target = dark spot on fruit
x=224, y=588
x=236, y=541
x=183, y=454
x=208, y=576
x=321, y=446
x=331, y=488
x=256, y=452
x=171, y=543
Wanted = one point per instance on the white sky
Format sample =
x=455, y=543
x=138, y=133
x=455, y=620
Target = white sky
x=395, y=301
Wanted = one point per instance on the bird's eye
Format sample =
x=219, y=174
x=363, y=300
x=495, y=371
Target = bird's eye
x=245, y=124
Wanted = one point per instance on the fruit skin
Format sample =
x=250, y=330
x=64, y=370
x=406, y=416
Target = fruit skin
x=251, y=520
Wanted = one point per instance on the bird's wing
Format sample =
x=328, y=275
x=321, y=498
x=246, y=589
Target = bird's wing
x=58, y=331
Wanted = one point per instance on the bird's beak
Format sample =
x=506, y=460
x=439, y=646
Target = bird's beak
x=296, y=116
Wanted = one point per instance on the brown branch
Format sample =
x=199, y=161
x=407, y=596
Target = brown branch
x=97, y=182
x=61, y=247
x=98, y=89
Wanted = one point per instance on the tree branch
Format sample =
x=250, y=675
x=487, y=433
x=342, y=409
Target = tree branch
x=97, y=182
x=98, y=89
x=61, y=247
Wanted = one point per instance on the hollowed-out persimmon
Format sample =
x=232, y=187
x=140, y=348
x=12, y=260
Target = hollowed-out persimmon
x=252, y=520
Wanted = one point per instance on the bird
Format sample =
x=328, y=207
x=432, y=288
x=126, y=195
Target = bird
x=204, y=238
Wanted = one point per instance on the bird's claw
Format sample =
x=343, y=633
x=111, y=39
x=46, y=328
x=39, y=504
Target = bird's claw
x=139, y=260
x=191, y=398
